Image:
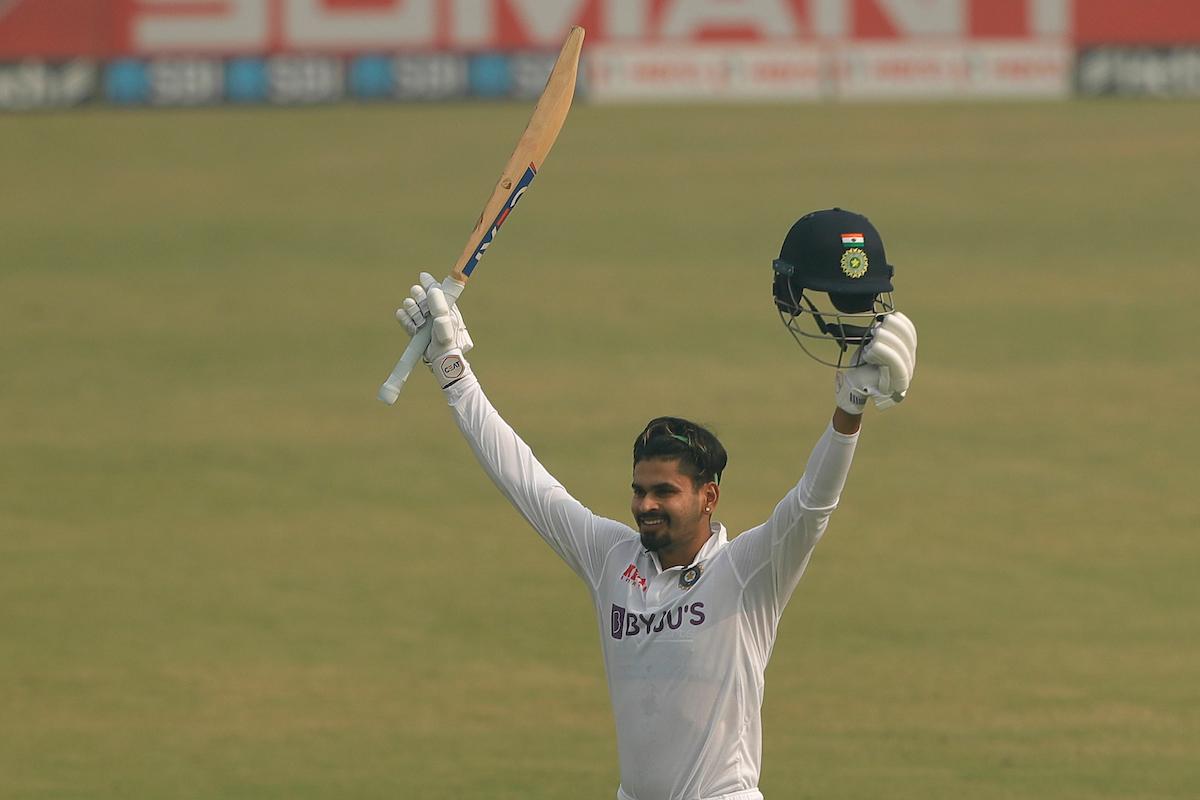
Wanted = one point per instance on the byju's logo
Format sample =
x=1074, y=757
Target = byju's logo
x=618, y=621
x=624, y=624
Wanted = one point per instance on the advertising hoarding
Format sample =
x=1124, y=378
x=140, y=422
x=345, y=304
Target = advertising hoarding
x=62, y=53
x=107, y=29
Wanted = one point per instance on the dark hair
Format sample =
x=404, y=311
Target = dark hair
x=701, y=456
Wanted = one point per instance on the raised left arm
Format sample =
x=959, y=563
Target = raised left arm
x=781, y=546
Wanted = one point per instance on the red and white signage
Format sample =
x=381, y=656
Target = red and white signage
x=862, y=70
x=636, y=49
x=705, y=72
x=109, y=28
x=871, y=71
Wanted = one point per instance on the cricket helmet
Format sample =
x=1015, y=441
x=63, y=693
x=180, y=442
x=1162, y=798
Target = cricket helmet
x=832, y=282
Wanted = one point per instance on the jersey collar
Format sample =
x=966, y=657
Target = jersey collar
x=718, y=539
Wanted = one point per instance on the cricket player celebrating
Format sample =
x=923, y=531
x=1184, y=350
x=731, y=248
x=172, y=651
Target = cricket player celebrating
x=687, y=616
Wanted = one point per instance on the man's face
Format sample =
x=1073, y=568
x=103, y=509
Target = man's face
x=666, y=505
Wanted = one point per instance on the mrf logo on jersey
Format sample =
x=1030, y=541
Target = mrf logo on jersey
x=627, y=624
x=631, y=575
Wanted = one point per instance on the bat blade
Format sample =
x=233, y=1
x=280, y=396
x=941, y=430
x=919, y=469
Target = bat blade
x=532, y=148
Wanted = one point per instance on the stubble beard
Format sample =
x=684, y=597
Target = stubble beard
x=661, y=538
x=655, y=540
x=658, y=538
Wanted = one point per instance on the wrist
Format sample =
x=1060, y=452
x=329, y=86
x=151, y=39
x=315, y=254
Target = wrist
x=850, y=393
x=845, y=422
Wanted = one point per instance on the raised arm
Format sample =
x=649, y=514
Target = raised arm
x=775, y=554
x=771, y=558
x=578, y=536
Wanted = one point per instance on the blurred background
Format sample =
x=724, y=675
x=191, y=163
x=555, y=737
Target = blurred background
x=227, y=571
x=180, y=53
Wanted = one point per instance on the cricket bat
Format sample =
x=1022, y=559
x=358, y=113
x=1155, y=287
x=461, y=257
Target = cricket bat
x=531, y=150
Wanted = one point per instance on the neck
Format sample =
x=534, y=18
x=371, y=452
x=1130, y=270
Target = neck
x=684, y=553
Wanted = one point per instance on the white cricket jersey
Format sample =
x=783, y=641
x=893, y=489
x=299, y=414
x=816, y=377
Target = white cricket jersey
x=684, y=648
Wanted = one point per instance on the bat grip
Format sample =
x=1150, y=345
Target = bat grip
x=390, y=390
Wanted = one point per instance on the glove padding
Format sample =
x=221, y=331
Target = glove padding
x=427, y=305
x=885, y=367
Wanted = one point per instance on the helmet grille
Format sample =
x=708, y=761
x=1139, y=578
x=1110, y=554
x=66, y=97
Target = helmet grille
x=828, y=333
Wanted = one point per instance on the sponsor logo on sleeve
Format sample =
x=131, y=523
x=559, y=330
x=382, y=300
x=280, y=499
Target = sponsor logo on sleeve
x=451, y=367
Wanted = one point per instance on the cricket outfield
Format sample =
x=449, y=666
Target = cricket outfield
x=228, y=571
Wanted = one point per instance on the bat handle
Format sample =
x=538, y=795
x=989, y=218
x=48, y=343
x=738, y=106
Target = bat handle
x=390, y=390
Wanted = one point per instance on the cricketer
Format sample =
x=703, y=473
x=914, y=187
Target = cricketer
x=687, y=615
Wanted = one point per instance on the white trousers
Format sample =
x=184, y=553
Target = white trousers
x=748, y=794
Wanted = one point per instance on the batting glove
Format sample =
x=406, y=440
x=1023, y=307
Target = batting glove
x=885, y=367
x=427, y=305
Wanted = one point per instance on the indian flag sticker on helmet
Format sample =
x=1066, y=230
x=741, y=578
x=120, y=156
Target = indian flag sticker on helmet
x=853, y=240
x=854, y=262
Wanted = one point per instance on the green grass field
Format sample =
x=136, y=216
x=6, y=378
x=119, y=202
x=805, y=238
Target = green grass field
x=227, y=571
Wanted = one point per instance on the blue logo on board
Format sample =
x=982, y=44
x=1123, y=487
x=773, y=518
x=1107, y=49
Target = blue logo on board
x=371, y=76
x=246, y=80
x=127, y=81
x=490, y=75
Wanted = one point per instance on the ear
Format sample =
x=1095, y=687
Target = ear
x=711, y=493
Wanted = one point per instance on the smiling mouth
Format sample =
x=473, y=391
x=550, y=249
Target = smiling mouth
x=652, y=522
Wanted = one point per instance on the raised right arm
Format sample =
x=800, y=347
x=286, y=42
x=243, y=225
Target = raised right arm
x=578, y=536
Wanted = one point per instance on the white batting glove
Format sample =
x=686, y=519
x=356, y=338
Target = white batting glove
x=427, y=305
x=886, y=365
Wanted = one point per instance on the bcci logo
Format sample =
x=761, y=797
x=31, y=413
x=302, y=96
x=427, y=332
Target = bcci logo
x=688, y=578
x=854, y=262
